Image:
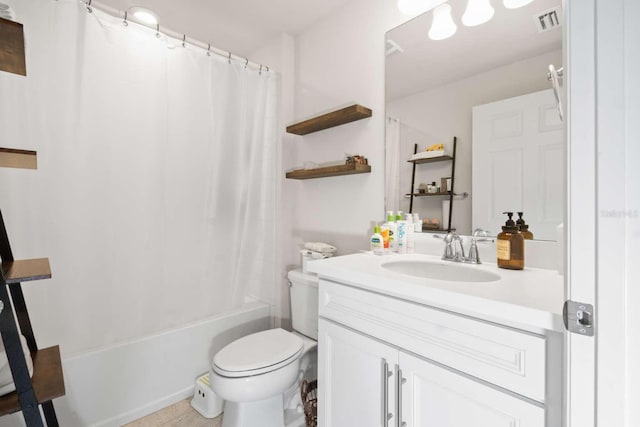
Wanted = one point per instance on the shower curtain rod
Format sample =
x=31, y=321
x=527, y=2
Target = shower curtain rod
x=180, y=37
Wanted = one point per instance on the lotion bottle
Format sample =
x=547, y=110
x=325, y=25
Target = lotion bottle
x=393, y=229
x=401, y=235
x=510, y=246
x=410, y=236
x=377, y=243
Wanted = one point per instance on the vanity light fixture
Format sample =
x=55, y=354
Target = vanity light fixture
x=514, y=4
x=143, y=15
x=477, y=12
x=442, y=26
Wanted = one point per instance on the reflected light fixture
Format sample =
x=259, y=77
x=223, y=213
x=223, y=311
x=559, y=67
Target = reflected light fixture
x=514, y=4
x=442, y=26
x=477, y=12
x=143, y=15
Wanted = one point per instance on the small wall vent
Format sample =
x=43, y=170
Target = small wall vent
x=549, y=19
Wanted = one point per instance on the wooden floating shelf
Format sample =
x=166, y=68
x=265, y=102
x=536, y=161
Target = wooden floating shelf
x=329, y=171
x=431, y=160
x=329, y=120
x=12, y=58
x=26, y=270
x=48, y=380
x=21, y=159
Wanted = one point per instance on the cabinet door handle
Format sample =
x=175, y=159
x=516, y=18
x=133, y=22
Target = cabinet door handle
x=400, y=382
x=386, y=373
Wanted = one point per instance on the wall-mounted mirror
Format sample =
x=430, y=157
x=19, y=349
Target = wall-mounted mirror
x=487, y=85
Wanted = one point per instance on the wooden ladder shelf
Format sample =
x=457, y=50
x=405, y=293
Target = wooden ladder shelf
x=47, y=382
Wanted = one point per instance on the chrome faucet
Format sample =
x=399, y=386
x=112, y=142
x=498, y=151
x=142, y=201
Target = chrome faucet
x=454, y=250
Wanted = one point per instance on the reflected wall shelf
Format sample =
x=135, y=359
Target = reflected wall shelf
x=446, y=193
x=338, y=170
x=329, y=120
x=431, y=160
x=450, y=194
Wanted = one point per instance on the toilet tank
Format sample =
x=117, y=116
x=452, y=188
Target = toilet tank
x=304, y=303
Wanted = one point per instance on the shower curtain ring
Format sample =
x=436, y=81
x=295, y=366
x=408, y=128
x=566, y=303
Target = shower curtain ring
x=209, y=50
x=260, y=72
x=246, y=63
x=125, y=23
x=157, y=31
x=229, y=58
x=184, y=40
x=89, y=8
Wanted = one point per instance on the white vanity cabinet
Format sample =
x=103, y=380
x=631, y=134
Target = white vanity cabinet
x=425, y=367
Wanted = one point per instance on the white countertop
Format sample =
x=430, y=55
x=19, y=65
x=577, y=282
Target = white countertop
x=529, y=299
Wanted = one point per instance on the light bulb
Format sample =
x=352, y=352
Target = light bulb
x=514, y=4
x=477, y=12
x=144, y=15
x=442, y=26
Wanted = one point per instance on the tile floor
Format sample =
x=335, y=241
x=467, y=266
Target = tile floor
x=180, y=414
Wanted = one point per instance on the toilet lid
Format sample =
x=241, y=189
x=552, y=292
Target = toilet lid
x=258, y=353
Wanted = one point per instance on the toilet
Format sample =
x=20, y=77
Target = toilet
x=259, y=375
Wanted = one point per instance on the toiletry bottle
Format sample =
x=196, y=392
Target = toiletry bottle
x=510, y=246
x=417, y=223
x=384, y=232
x=401, y=235
x=393, y=229
x=377, y=244
x=410, y=236
x=524, y=227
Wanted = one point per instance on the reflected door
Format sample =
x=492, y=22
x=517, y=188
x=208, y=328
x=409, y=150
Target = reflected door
x=518, y=160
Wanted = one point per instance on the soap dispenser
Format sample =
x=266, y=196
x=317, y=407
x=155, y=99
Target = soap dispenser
x=510, y=246
x=524, y=227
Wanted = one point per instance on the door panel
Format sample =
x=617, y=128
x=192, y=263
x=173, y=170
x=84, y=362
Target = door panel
x=352, y=383
x=518, y=163
x=436, y=396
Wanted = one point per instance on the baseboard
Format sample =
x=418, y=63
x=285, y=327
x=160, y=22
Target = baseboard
x=113, y=386
x=149, y=408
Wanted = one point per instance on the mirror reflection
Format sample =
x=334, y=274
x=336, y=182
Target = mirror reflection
x=451, y=74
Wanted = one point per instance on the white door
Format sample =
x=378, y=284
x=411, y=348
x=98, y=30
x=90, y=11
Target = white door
x=518, y=163
x=581, y=207
x=356, y=386
x=435, y=396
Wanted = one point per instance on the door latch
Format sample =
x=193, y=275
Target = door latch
x=578, y=318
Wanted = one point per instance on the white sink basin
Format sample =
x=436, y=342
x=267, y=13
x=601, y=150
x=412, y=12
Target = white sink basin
x=446, y=271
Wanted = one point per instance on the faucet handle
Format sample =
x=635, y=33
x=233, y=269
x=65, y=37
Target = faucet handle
x=474, y=255
x=448, y=246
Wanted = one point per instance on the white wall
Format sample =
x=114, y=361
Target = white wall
x=632, y=136
x=340, y=60
x=444, y=112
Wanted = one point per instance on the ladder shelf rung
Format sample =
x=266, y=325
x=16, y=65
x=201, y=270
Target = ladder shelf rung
x=48, y=381
x=26, y=270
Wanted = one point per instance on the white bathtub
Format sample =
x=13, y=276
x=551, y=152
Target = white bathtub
x=119, y=384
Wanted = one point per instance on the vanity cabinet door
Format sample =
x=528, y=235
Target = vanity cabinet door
x=356, y=379
x=431, y=395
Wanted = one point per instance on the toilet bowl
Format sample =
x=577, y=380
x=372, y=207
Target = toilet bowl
x=259, y=374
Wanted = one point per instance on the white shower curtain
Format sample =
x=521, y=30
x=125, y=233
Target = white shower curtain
x=156, y=196
x=392, y=164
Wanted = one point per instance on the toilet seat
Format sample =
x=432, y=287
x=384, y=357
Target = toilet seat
x=258, y=353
